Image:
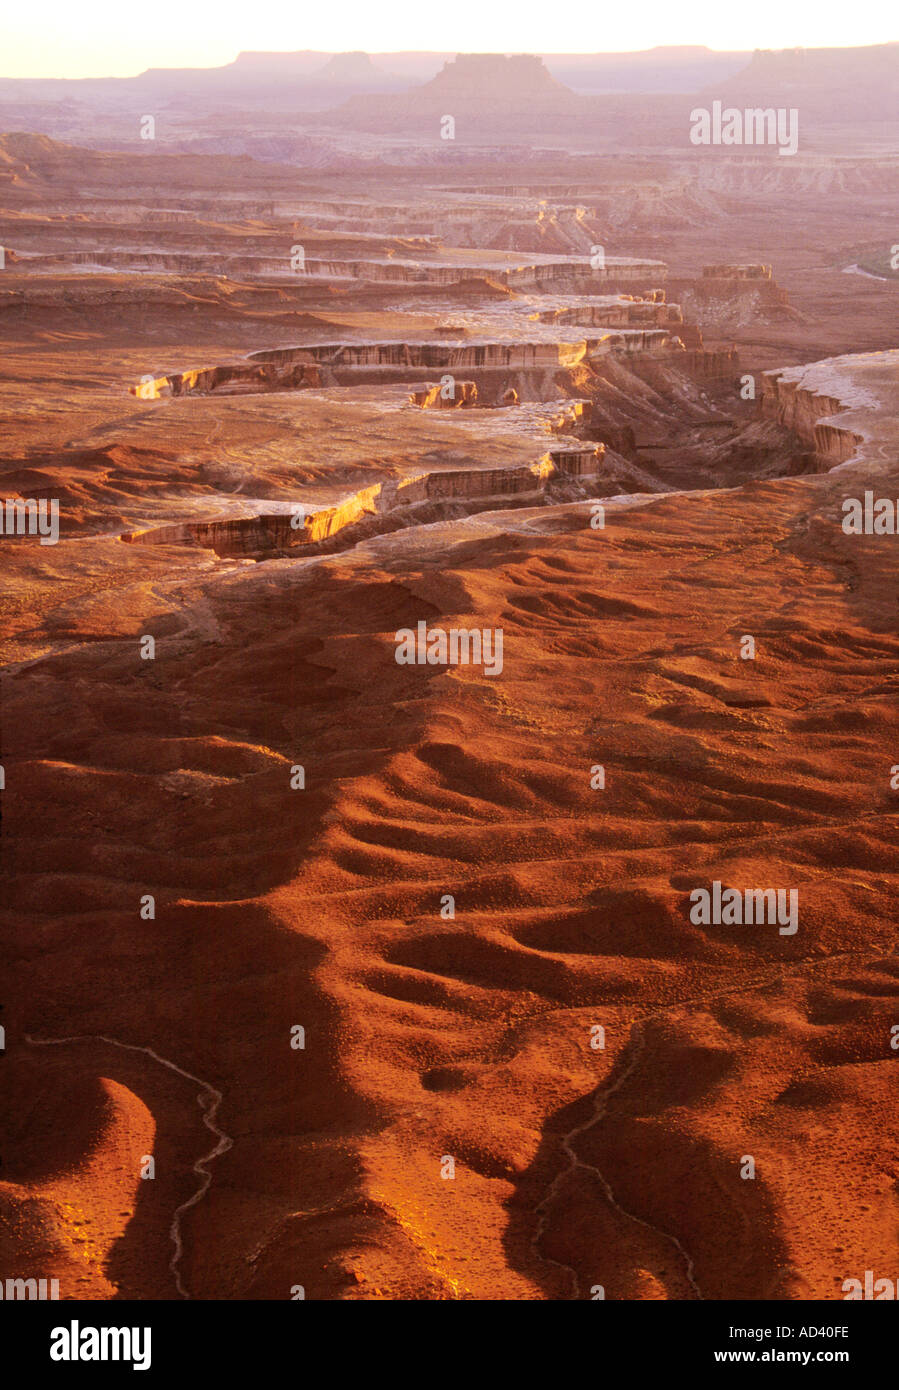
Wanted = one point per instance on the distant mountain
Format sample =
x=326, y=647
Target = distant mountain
x=350, y=70
x=494, y=94
x=281, y=77
x=278, y=77
x=811, y=69
x=491, y=89
x=494, y=78
x=840, y=84
x=670, y=69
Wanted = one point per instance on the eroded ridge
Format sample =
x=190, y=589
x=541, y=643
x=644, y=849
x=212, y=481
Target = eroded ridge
x=208, y=1100
x=630, y=1060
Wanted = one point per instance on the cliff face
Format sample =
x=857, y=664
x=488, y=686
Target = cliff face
x=451, y=357
x=737, y=272
x=266, y=535
x=803, y=408
x=230, y=380
x=625, y=311
x=465, y=393
x=535, y=276
x=535, y=363
x=488, y=482
x=710, y=364
x=574, y=275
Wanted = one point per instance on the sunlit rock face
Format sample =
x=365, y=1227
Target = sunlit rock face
x=233, y=380
x=736, y=272
x=800, y=401
x=454, y=395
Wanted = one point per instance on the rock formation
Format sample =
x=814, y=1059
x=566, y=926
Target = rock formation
x=312, y=927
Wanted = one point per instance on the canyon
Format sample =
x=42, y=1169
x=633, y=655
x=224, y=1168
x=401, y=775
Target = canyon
x=261, y=826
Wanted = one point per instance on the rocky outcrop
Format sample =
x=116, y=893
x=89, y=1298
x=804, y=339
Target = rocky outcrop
x=543, y=354
x=237, y=536
x=316, y=364
x=476, y=87
x=619, y=438
x=579, y=463
x=283, y=533
x=613, y=311
x=433, y=356
x=737, y=272
x=629, y=340
x=480, y=483
x=709, y=364
x=535, y=365
x=236, y=380
x=727, y=296
x=576, y=274
x=460, y=395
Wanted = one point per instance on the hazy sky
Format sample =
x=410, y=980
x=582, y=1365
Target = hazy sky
x=101, y=38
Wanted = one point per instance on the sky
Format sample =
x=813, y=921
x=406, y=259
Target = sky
x=119, y=38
